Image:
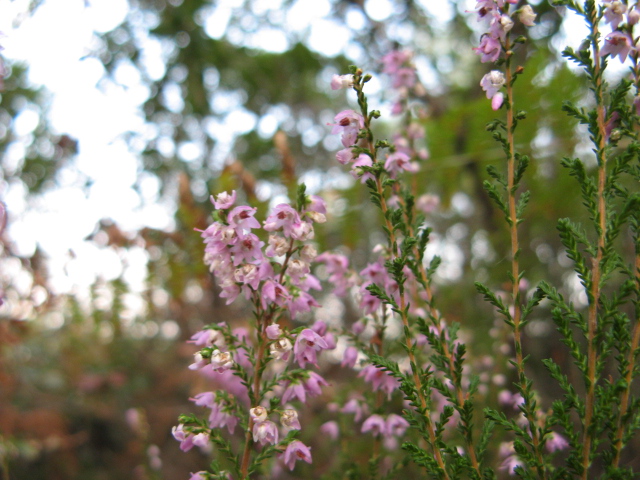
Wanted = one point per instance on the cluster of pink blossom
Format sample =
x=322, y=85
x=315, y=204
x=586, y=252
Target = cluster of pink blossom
x=399, y=66
x=620, y=42
x=275, y=276
x=499, y=21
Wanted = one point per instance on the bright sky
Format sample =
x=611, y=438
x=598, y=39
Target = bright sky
x=55, y=41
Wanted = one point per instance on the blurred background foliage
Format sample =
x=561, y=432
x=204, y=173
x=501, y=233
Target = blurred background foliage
x=238, y=98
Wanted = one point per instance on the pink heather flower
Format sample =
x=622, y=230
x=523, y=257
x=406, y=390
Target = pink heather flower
x=301, y=302
x=223, y=200
x=219, y=418
x=207, y=337
x=280, y=349
x=427, y=203
x=296, y=450
x=492, y=82
x=274, y=293
x=201, y=475
x=368, y=303
x=357, y=408
x=379, y=379
x=617, y=44
x=249, y=275
x=265, y=432
x=486, y=8
x=294, y=390
x=392, y=61
x=273, y=331
x=349, y=124
x=248, y=249
x=350, y=357
x=204, y=399
x=198, y=362
x=396, y=425
x=331, y=429
x=314, y=383
x=317, y=205
x=500, y=26
x=201, y=440
x=341, y=81
x=614, y=12
x=241, y=218
x=510, y=464
x=345, y=156
x=302, y=231
x=289, y=419
x=633, y=16
x=283, y=217
x=307, y=344
x=397, y=162
x=337, y=268
x=404, y=77
x=489, y=48
x=497, y=101
x=297, y=389
x=374, y=424
x=185, y=438
x=556, y=442
x=258, y=414
x=527, y=17
x=363, y=160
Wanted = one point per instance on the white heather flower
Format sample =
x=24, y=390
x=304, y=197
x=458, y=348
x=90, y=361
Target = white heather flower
x=506, y=22
x=289, y=419
x=316, y=217
x=492, y=82
x=308, y=253
x=278, y=246
x=297, y=268
x=265, y=432
x=221, y=361
x=341, y=81
x=280, y=349
x=198, y=361
x=527, y=17
x=258, y=414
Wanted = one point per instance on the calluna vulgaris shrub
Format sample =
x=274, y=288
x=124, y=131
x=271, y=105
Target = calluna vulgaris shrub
x=419, y=411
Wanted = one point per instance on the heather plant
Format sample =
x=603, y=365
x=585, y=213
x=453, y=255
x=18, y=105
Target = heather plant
x=424, y=387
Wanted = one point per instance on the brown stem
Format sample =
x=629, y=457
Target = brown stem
x=515, y=265
x=592, y=353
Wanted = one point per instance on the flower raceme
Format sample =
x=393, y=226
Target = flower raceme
x=275, y=276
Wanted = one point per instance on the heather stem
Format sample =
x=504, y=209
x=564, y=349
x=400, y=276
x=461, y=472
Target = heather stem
x=437, y=317
x=409, y=343
x=264, y=321
x=529, y=412
x=594, y=293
